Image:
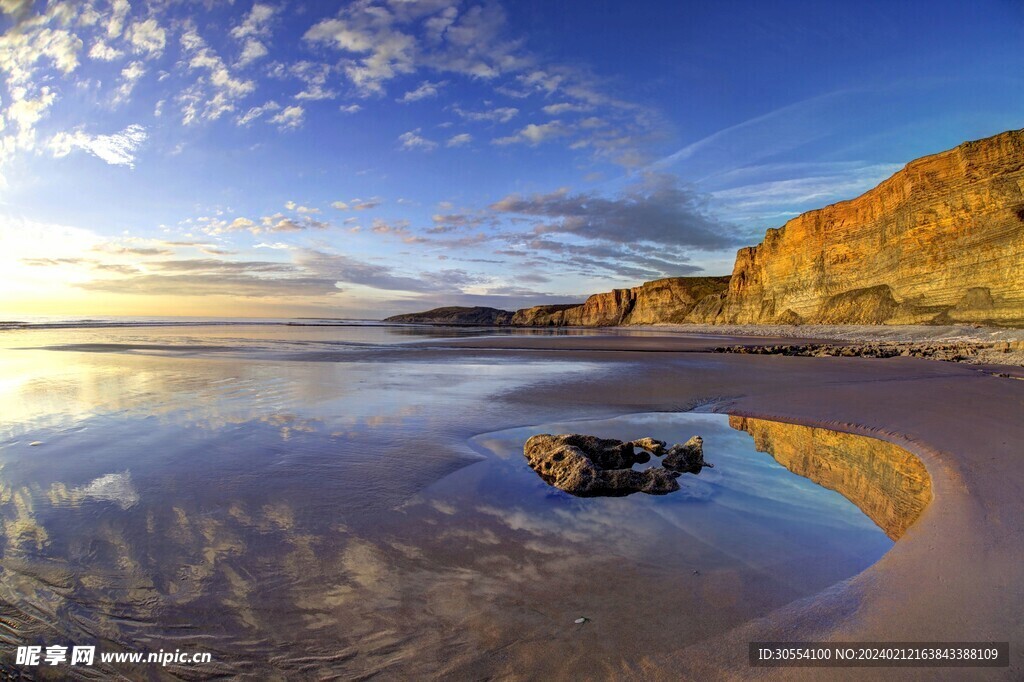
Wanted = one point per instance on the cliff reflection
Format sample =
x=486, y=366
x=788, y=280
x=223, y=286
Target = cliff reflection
x=890, y=485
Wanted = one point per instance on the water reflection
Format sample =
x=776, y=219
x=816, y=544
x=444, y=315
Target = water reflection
x=242, y=339
x=311, y=520
x=885, y=481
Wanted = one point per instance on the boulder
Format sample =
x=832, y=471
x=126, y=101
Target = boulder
x=587, y=466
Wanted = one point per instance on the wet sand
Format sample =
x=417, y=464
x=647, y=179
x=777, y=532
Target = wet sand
x=956, y=574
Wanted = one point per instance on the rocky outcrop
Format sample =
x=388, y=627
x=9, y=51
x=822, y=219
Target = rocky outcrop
x=456, y=315
x=969, y=352
x=686, y=458
x=542, y=315
x=941, y=241
x=587, y=466
x=960, y=351
x=672, y=299
x=887, y=483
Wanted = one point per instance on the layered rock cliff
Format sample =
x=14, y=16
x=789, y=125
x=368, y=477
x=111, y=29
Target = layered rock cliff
x=673, y=299
x=887, y=483
x=941, y=241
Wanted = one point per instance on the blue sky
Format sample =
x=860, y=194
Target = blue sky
x=380, y=156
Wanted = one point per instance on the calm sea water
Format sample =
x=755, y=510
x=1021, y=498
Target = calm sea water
x=208, y=488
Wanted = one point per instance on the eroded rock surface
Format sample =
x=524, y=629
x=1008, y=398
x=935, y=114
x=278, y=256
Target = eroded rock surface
x=687, y=458
x=587, y=466
x=941, y=241
x=673, y=299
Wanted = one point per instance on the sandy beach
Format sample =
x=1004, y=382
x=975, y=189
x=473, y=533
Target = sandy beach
x=954, y=576
x=342, y=566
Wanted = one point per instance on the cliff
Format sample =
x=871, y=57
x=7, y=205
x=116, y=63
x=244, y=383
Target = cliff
x=673, y=299
x=941, y=241
x=887, y=483
x=455, y=315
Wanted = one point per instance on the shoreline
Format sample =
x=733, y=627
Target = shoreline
x=955, y=574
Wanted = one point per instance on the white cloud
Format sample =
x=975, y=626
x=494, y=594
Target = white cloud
x=459, y=140
x=469, y=43
x=306, y=210
x=340, y=205
x=282, y=223
x=256, y=23
x=350, y=109
x=289, y=117
x=473, y=45
x=103, y=52
x=118, y=149
x=147, y=36
x=360, y=205
x=25, y=113
x=255, y=112
x=424, y=91
x=118, y=13
x=15, y=7
x=241, y=224
x=216, y=94
x=368, y=29
x=20, y=51
x=251, y=51
x=499, y=115
x=544, y=81
x=88, y=16
x=534, y=134
x=314, y=75
x=564, y=108
x=130, y=75
x=413, y=140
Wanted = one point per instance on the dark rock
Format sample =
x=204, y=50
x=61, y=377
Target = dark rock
x=587, y=466
x=687, y=458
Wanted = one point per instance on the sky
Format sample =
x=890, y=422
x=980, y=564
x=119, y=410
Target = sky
x=361, y=159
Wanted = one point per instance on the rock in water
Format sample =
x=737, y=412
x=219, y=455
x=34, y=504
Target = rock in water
x=687, y=458
x=655, y=447
x=587, y=466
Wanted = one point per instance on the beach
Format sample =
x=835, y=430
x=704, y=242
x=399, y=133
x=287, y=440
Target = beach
x=315, y=501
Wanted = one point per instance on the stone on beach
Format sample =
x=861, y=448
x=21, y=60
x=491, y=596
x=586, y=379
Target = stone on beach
x=587, y=466
x=687, y=458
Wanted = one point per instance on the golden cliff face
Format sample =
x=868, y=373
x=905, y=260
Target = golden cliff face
x=940, y=241
x=665, y=300
x=886, y=482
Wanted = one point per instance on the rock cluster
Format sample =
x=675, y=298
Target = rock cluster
x=587, y=466
x=954, y=352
